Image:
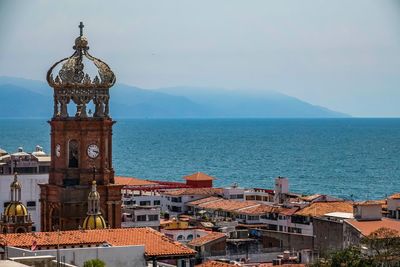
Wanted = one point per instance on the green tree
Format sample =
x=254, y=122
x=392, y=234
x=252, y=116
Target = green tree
x=94, y=263
x=349, y=257
x=383, y=246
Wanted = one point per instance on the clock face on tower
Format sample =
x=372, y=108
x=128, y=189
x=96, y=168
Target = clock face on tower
x=93, y=151
x=58, y=150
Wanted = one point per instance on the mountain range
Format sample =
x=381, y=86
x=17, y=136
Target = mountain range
x=20, y=98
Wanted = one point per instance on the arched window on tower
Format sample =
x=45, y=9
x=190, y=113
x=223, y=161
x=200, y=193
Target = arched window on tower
x=73, y=159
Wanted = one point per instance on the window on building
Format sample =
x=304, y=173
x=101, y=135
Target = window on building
x=43, y=169
x=153, y=217
x=180, y=237
x=177, y=199
x=73, y=159
x=141, y=218
x=31, y=204
x=176, y=209
x=145, y=203
x=280, y=228
x=272, y=227
x=156, y=203
x=252, y=218
x=189, y=237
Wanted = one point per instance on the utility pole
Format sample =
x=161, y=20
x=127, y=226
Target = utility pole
x=58, y=248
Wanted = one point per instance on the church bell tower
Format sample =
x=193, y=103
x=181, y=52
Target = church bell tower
x=81, y=141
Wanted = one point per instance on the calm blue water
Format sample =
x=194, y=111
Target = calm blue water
x=353, y=158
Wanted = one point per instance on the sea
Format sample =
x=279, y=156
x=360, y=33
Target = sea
x=349, y=158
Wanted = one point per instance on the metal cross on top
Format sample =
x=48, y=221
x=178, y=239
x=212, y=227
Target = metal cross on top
x=81, y=28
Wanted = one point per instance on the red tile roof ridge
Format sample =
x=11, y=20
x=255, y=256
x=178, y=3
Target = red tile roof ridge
x=199, y=176
x=133, y=181
x=394, y=196
x=155, y=243
x=213, y=263
x=205, y=200
x=368, y=202
x=212, y=236
x=318, y=209
x=367, y=227
x=261, y=209
x=227, y=205
x=194, y=191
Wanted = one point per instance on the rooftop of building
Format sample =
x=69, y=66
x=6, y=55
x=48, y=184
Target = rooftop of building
x=319, y=209
x=156, y=244
x=224, y=204
x=206, y=191
x=368, y=203
x=214, y=263
x=199, y=176
x=211, y=237
x=310, y=198
x=204, y=200
x=261, y=209
x=340, y=215
x=21, y=155
x=368, y=227
x=132, y=181
x=394, y=196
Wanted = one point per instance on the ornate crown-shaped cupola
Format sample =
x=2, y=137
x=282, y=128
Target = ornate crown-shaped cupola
x=71, y=80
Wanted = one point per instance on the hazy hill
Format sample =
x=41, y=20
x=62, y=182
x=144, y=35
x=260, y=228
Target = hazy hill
x=29, y=98
x=252, y=103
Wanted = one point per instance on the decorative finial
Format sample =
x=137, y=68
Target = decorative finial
x=81, y=28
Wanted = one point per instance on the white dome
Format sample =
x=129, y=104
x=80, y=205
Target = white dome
x=39, y=151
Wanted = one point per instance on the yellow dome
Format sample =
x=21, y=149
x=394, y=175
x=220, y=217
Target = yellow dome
x=94, y=222
x=16, y=209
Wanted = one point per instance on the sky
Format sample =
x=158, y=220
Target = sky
x=343, y=55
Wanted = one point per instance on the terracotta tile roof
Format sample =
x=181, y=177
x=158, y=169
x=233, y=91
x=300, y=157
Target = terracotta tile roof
x=282, y=265
x=367, y=227
x=223, y=264
x=226, y=205
x=194, y=191
x=310, y=197
x=198, y=176
x=215, y=264
x=132, y=181
x=289, y=212
x=260, y=209
x=319, y=209
x=156, y=244
x=212, y=236
x=395, y=196
x=204, y=200
x=368, y=203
